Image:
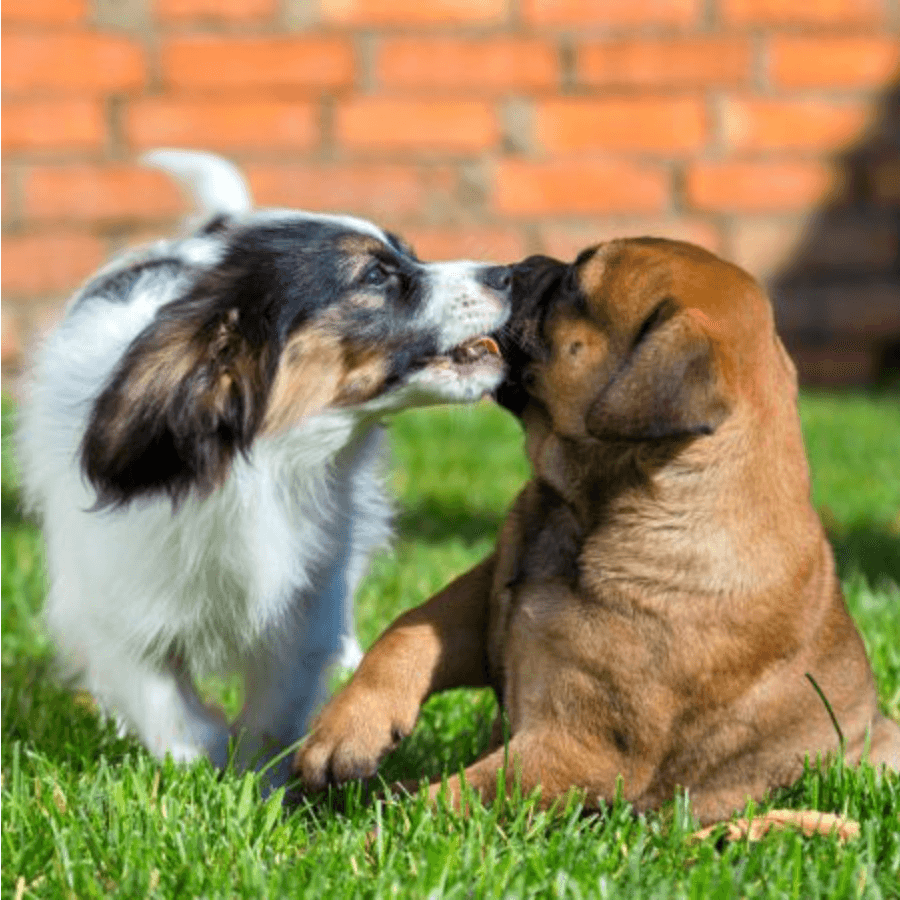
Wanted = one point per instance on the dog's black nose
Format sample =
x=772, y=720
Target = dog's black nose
x=498, y=277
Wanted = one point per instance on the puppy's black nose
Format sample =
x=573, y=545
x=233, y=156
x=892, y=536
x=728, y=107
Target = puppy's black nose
x=498, y=277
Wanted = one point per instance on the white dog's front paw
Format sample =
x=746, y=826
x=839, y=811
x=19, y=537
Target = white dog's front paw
x=351, y=653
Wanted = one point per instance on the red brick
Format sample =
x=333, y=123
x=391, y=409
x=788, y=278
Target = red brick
x=476, y=65
x=611, y=13
x=647, y=124
x=221, y=123
x=867, y=309
x=565, y=241
x=10, y=189
x=840, y=62
x=766, y=245
x=849, y=242
x=418, y=125
x=759, y=186
x=49, y=263
x=224, y=10
x=10, y=337
x=558, y=188
x=365, y=189
x=414, y=12
x=84, y=193
x=76, y=124
x=479, y=242
x=664, y=63
x=44, y=12
x=252, y=63
x=753, y=124
x=802, y=12
x=837, y=241
x=71, y=63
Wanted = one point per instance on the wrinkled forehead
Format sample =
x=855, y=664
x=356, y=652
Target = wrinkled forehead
x=621, y=271
x=630, y=277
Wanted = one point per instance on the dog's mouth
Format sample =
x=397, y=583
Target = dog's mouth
x=475, y=350
x=475, y=354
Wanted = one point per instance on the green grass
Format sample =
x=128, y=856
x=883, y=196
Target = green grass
x=87, y=814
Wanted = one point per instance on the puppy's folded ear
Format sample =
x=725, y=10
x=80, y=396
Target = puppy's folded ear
x=670, y=385
x=188, y=394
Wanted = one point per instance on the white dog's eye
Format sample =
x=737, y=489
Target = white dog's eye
x=377, y=275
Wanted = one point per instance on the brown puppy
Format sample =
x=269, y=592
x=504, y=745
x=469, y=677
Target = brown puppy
x=663, y=585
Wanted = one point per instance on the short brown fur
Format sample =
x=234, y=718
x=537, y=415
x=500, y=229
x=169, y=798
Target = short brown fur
x=663, y=585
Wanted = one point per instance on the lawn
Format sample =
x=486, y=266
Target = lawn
x=88, y=814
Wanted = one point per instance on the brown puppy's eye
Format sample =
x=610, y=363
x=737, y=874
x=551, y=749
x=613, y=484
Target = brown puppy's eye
x=575, y=348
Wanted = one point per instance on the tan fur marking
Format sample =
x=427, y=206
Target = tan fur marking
x=358, y=250
x=308, y=379
x=160, y=371
x=366, y=300
x=363, y=380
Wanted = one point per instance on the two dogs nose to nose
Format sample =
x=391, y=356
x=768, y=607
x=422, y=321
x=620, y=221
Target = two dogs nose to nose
x=498, y=277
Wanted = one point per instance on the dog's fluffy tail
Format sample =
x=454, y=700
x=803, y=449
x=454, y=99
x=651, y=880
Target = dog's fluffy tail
x=214, y=184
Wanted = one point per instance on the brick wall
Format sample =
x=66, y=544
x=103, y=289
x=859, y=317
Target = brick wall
x=767, y=130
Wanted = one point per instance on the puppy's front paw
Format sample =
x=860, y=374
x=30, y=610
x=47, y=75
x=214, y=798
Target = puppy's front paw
x=349, y=738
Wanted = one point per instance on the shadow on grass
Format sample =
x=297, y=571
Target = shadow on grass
x=11, y=507
x=432, y=521
x=869, y=550
x=62, y=725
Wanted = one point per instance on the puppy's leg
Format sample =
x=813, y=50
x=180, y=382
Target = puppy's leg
x=885, y=743
x=550, y=760
x=438, y=645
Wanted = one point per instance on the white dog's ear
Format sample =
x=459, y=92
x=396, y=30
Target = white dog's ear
x=188, y=394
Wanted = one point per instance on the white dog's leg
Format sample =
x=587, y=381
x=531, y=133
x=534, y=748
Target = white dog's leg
x=286, y=680
x=161, y=707
x=287, y=677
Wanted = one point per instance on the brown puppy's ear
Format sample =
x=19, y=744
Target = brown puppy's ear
x=188, y=394
x=669, y=386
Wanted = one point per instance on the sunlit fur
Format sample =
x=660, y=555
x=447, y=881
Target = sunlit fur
x=201, y=512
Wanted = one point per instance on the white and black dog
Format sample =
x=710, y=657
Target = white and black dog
x=203, y=447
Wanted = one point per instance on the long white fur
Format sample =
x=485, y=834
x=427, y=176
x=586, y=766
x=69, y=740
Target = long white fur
x=214, y=184
x=259, y=576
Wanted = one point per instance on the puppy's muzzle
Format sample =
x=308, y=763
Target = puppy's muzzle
x=535, y=282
